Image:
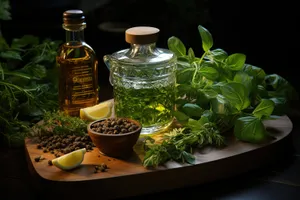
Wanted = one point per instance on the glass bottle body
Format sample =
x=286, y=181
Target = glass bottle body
x=144, y=86
x=78, y=74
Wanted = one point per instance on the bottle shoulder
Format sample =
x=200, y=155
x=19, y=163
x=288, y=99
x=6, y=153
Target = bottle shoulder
x=75, y=51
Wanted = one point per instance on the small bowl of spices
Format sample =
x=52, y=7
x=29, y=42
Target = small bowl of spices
x=115, y=137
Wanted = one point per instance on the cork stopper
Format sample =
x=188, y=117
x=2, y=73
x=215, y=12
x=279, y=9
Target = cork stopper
x=71, y=17
x=141, y=35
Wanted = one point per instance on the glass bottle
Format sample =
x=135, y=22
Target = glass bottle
x=78, y=67
x=143, y=80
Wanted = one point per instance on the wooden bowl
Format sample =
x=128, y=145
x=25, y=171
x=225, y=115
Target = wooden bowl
x=115, y=145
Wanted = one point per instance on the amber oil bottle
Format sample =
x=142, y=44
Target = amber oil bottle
x=78, y=67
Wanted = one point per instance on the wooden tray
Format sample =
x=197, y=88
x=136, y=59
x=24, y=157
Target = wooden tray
x=128, y=178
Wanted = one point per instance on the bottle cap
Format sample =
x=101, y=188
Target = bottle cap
x=73, y=17
x=141, y=35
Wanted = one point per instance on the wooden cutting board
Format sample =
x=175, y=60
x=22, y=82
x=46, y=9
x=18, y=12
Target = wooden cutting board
x=126, y=178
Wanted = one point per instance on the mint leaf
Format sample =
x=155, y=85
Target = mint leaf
x=207, y=40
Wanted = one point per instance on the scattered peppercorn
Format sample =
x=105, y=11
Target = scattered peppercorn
x=37, y=159
x=64, y=143
x=50, y=162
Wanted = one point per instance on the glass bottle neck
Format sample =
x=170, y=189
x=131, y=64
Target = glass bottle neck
x=138, y=49
x=74, y=36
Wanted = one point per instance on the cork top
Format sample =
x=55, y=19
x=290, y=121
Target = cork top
x=73, y=17
x=141, y=35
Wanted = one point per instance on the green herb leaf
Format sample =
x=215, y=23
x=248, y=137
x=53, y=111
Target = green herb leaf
x=246, y=80
x=220, y=105
x=208, y=72
x=10, y=55
x=3, y=44
x=236, y=94
x=264, y=109
x=279, y=87
x=281, y=106
x=24, y=41
x=191, y=54
x=256, y=72
x=207, y=40
x=236, y=61
x=250, y=129
x=189, y=158
x=176, y=45
x=185, y=76
x=4, y=10
x=218, y=55
x=192, y=110
x=181, y=117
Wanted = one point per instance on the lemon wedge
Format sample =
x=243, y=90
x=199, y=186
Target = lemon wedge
x=70, y=160
x=99, y=111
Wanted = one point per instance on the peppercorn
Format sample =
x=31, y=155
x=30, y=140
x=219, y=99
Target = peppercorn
x=37, y=159
x=50, y=162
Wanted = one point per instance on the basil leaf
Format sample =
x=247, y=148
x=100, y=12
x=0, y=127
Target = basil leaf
x=256, y=72
x=264, y=108
x=207, y=40
x=191, y=54
x=218, y=54
x=176, y=45
x=220, y=105
x=192, y=110
x=209, y=72
x=246, y=80
x=235, y=61
x=189, y=158
x=236, y=94
x=281, y=105
x=180, y=116
x=185, y=76
x=250, y=129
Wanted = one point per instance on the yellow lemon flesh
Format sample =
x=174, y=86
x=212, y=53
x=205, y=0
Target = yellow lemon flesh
x=99, y=111
x=71, y=160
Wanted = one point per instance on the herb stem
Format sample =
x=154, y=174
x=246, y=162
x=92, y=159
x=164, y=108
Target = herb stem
x=196, y=64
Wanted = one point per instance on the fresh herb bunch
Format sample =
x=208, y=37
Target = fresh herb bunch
x=216, y=93
x=179, y=143
x=28, y=85
x=236, y=95
x=28, y=82
x=59, y=123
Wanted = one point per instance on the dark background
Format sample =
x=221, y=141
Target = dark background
x=265, y=31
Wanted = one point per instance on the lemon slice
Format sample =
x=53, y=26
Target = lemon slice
x=99, y=111
x=70, y=160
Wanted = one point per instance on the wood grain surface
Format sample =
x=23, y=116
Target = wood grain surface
x=211, y=164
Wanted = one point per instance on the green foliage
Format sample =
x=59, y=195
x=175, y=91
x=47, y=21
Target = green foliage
x=28, y=84
x=4, y=10
x=240, y=95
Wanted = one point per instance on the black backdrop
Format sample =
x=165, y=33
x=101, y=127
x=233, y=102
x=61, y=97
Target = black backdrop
x=264, y=31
